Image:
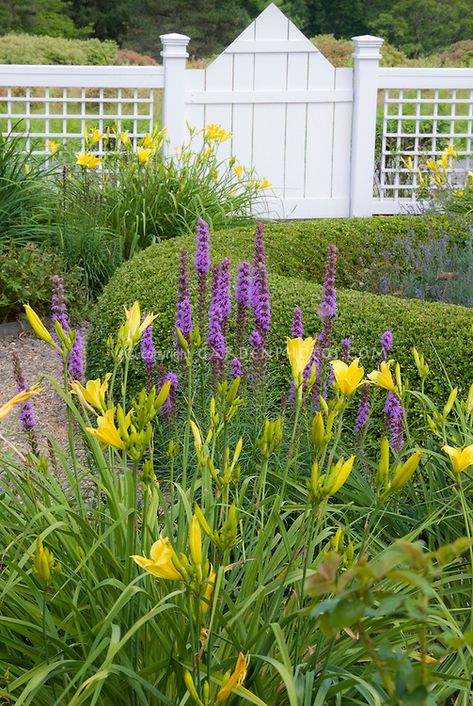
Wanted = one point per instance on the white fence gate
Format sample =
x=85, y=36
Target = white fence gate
x=308, y=127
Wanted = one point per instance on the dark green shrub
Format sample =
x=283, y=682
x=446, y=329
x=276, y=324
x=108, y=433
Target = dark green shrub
x=151, y=278
x=25, y=277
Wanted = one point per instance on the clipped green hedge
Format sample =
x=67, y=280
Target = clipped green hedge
x=299, y=248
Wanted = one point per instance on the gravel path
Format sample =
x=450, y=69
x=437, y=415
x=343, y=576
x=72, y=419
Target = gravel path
x=37, y=360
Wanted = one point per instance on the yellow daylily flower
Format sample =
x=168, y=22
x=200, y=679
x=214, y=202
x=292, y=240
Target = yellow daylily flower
x=124, y=137
x=235, y=679
x=96, y=135
x=144, y=154
x=87, y=160
x=93, y=394
x=147, y=140
x=38, y=327
x=461, y=457
x=264, y=183
x=134, y=327
x=299, y=351
x=238, y=169
x=408, y=163
x=160, y=562
x=20, y=397
x=338, y=475
x=53, y=146
x=347, y=377
x=217, y=132
x=443, y=161
x=383, y=377
x=106, y=432
x=450, y=151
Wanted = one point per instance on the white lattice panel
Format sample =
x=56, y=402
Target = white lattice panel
x=418, y=124
x=63, y=114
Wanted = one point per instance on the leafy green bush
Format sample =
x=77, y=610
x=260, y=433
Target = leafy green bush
x=25, y=277
x=30, y=49
x=297, y=249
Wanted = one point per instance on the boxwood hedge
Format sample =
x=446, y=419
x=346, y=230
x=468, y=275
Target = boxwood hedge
x=299, y=249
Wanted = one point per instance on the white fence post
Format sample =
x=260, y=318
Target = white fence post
x=174, y=63
x=365, y=86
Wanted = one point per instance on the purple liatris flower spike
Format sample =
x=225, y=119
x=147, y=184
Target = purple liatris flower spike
x=386, y=344
x=394, y=420
x=76, y=359
x=202, y=266
x=148, y=354
x=26, y=416
x=363, y=414
x=328, y=310
x=217, y=344
x=237, y=368
x=224, y=298
x=297, y=328
x=260, y=298
x=346, y=346
x=184, y=307
x=243, y=300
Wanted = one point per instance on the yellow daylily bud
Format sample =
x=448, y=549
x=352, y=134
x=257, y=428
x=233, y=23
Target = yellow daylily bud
x=207, y=597
x=318, y=430
x=347, y=377
x=431, y=423
x=197, y=437
x=190, y=686
x=404, y=472
x=182, y=341
x=43, y=562
x=38, y=327
x=450, y=402
x=20, y=397
x=461, y=457
x=469, y=401
x=339, y=475
x=383, y=377
x=161, y=561
x=203, y=522
x=195, y=541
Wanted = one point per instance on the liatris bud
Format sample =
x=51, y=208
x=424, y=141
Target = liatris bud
x=169, y=407
x=237, y=368
x=76, y=359
x=202, y=267
x=386, y=345
x=363, y=414
x=394, y=420
x=243, y=300
x=256, y=345
x=26, y=416
x=346, y=346
x=297, y=328
x=184, y=308
x=148, y=354
x=58, y=303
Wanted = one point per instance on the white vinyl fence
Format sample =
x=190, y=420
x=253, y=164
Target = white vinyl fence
x=332, y=141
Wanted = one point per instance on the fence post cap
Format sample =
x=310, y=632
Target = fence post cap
x=367, y=46
x=174, y=45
